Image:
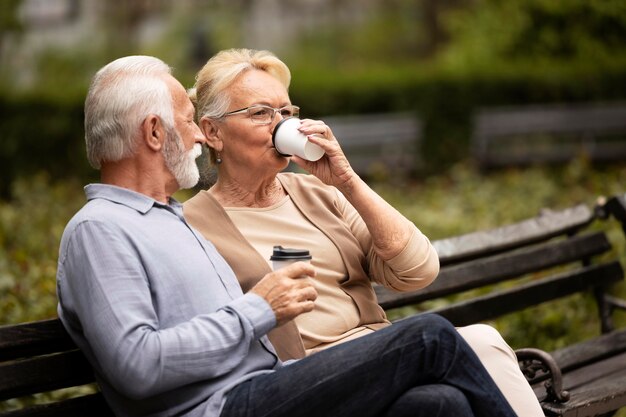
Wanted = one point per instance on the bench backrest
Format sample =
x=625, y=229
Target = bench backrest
x=529, y=134
x=535, y=246
x=40, y=357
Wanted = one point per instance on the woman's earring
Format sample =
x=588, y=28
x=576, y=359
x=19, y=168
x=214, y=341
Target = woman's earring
x=218, y=159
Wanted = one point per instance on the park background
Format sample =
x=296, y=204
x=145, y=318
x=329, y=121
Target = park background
x=440, y=59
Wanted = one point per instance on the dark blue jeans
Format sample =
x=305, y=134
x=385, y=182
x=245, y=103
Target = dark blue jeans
x=417, y=367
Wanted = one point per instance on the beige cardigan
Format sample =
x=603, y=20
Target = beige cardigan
x=316, y=201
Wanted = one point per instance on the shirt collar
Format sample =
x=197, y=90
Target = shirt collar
x=137, y=201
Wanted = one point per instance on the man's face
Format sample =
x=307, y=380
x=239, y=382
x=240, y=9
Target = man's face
x=183, y=141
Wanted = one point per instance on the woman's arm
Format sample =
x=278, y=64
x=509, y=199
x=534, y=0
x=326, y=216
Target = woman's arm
x=389, y=229
x=414, y=267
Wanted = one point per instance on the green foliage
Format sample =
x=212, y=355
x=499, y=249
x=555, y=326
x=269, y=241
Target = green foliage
x=41, y=134
x=534, y=30
x=30, y=231
x=386, y=33
x=446, y=98
x=8, y=16
x=47, y=397
x=45, y=132
x=63, y=76
x=440, y=60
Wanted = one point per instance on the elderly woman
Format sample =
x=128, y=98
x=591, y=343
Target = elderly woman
x=354, y=236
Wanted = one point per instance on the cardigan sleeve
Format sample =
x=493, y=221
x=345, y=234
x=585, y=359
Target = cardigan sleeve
x=415, y=267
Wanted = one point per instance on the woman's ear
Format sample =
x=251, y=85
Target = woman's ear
x=153, y=132
x=211, y=130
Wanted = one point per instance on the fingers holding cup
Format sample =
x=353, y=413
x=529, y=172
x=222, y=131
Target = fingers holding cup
x=289, y=140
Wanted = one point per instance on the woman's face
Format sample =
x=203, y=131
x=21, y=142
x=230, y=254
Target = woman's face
x=247, y=145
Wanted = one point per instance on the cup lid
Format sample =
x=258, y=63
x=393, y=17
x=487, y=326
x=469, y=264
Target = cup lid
x=282, y=254
x=279, y=124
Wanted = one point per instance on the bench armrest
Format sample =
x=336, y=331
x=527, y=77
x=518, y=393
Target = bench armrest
x=537, y=365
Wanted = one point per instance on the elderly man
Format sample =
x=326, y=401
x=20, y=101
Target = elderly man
x=161, y=317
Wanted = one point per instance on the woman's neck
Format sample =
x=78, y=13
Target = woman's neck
x=231, y=192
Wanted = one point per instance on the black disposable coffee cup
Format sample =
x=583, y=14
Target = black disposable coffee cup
x=282, y=257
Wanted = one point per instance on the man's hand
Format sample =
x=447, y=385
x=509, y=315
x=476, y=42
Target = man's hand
x=289, y=291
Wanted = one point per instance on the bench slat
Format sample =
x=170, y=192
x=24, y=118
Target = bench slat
x=502, y=302
x=589, y=375
x=537, y=229
x=586, y=376
x=598, y=393
x=458, y=278
x=92, y=405
x=529, y=134
x=44, y=373
x=586, y=356
x=603, y=346
x=36, y=338
x=531, y=119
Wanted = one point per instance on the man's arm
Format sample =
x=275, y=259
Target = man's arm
x=106, y=287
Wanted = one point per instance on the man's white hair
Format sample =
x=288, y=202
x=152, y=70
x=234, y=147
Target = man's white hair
x=121, y=95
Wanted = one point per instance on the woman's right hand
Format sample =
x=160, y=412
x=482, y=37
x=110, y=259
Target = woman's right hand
x=333, y=168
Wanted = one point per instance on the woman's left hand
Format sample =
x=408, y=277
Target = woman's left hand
x=333, y=168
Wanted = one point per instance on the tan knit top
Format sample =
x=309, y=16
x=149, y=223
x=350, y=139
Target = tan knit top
x=316, y=217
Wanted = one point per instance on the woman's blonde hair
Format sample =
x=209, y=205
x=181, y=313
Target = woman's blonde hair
x=209, y=93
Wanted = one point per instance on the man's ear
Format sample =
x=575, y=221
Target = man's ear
x=211, y=131
x=153, y=132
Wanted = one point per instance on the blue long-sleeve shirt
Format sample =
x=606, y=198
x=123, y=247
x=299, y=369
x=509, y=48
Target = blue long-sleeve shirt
x=155, y=308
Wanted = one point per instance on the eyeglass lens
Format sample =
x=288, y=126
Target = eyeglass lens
x=263, y=114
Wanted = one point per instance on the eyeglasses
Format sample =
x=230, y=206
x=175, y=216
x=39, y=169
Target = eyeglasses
x=264, y=115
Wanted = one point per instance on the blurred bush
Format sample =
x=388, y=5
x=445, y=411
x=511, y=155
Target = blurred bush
x=30, y=233
x=41, y=135
x=445, y=99
x=46, y=134
x=440, y=60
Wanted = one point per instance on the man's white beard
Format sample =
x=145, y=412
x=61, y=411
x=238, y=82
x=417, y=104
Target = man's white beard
x=180, y=163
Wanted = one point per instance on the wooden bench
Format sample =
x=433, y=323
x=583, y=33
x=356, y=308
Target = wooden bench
x=524, y=135
x=383, y=144
x=539, y=260
x=39, y=357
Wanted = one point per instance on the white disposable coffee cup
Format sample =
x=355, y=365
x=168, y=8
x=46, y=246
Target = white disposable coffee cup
x=282, y=257
x=288, y=140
